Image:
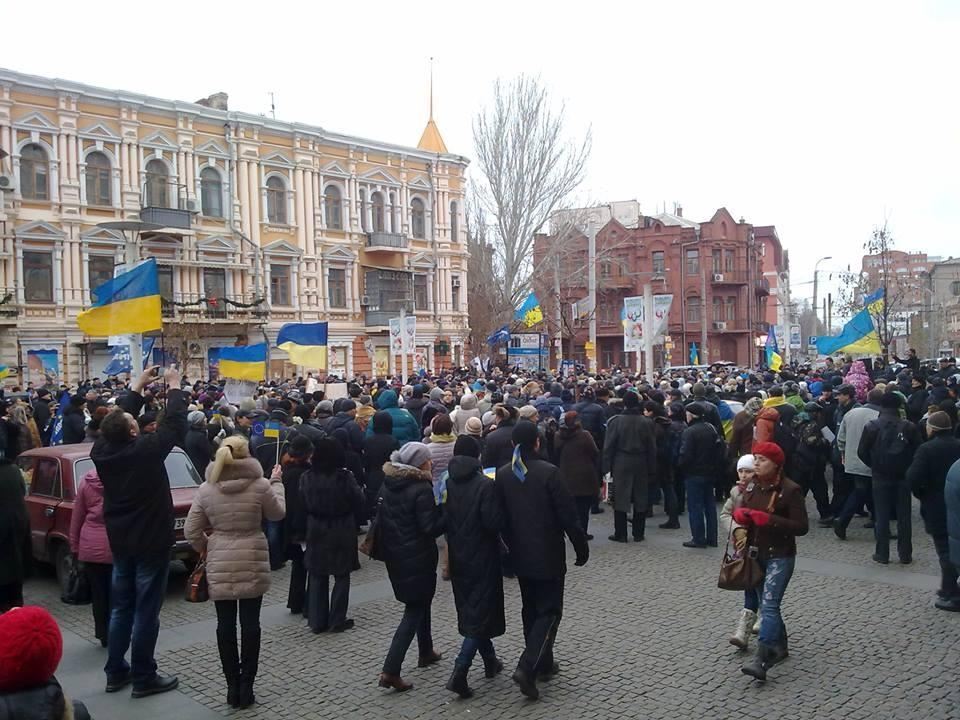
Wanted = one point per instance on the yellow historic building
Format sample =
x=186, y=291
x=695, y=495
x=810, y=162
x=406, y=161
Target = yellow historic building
x=254, y=223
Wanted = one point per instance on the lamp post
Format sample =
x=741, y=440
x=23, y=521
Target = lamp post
x=815, y=271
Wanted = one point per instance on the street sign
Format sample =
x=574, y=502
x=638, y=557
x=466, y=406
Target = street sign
x=812, y=341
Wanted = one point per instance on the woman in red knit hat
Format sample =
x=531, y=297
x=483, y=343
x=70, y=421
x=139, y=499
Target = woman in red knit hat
x=773, y=510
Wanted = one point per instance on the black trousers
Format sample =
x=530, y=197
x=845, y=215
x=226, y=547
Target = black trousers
x=584, y=503
x=948, y=571
x=323, y=609
x=415, y=621
x=813, y=480
x=100, y=577
x=11, y=596
x=297, y=594
x=541, y=613
x=892, y=500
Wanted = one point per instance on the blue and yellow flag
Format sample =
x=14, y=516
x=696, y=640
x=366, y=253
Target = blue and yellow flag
x=529, y=312
x=859, y=336
x=125, y=305
x=305, y=343
x=694, y=354
x=774, y=359
x=5, y=372
x=518, y=466
x=245, y=362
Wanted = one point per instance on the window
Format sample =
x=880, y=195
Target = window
x=693, y=262
x=659, y=261
x=455, y=292
x=606, y=269
x=337, y=288
x=418, y=224
x=420, y=296
x=214, y=282
x=363, y=210
x=955, y=288
x=280, y=284
x=46, y=478
x=331, y=202
x=276, y=201
x=34, y=169
x=99, y=185
x=454, y=222
x=693, y=309
x=211, y=193
x=731, y=304
x=38, y=277
x=717, y=309
x=156, y=191
x=717, y=261
x=729, y=259
x=101, y=270
x=165, y=281
x=376, y=202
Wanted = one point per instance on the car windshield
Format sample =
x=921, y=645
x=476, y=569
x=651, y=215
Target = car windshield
x=180, y=470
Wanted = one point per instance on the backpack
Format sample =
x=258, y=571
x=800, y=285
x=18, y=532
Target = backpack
x=891, y=450
x=784, y=437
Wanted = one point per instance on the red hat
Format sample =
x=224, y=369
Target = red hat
x=771, y=451
x=30, y=648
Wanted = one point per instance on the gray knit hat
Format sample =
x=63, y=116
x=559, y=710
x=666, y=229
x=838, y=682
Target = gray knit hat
x=196, y=418
x=414, y=454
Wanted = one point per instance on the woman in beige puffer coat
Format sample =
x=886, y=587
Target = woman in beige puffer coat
x=232, y=503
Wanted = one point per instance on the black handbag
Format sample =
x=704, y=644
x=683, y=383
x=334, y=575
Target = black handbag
x=372, y=543
x=77, y=590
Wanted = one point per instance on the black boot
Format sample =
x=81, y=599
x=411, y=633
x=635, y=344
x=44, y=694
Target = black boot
x=780, y=651
x=619, y=527
x=527, y=681
x=672, y=524
x=230, y=660
x=249, y=661
x=458, y=682
x=756, y=667
x=639, y=525
x=492, y=666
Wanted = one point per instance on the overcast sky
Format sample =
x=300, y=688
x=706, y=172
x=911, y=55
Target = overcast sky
x=823, y=118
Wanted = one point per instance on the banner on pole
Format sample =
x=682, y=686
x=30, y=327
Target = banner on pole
x=661, y=313
x=633, y=324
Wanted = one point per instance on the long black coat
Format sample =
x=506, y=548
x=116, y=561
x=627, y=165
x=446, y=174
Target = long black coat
x=198, y=449
x=576, y=455
x=376, y=452
x=295, y=521
x=537, y=513
x=630, y=455
x=498, y=450
x=410, y=523
x=74, y=426
x=474, y=519
x=15, y=551
x=332, y=502
x=927, y=476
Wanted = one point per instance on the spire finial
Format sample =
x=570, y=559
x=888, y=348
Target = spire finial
x=431, y=88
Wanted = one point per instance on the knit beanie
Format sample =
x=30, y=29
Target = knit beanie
x=474, y=426
x=745, y=462
x=30, y=648
x=939, y=421
x=414, y=454
x=771, y=451
x=467, y=445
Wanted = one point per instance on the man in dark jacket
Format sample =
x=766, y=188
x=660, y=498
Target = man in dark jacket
x=630, y=456
x=592, y=416
x=552, y=405
x=74, y=421
x=138, y=514
x=42, y=414
x=701, y=454
x=887, y=446
x=474, y=518
x=911, y=361
x=415, y=404
x=197, y=442
x=538, y=510
x=344, y=429
x=927, y=476
x=918, y=400
x=498, y=448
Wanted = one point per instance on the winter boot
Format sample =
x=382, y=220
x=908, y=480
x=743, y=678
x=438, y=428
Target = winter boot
x=757, y=666
x=249, y=662
x=458, y=682
x=619, y=527
x=741, y=636
x=526, y=680
x=230, y=660
x=755, y=630
x=780, y=651
x=492, y=666
x=672, y=524
x=639, y=525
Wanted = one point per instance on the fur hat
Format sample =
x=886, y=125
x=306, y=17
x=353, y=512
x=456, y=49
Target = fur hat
x=30, y=648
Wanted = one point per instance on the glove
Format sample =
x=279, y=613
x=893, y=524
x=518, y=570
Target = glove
x=759, y=517
x=741, y=516
x=582, y=559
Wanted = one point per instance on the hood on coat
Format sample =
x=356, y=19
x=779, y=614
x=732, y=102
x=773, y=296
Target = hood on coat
x=387, y=399
x=92, y=479
x=468, y=402
x=238, y=475
x=397, y=477
x=463, y=467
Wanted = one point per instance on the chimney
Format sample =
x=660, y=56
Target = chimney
x=679, y=210
x=217, y=101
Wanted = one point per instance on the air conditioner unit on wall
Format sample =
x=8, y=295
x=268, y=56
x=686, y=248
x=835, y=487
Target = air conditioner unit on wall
x=364, y=300
x=192, y=206
x=719, y=326
x=718, y=277
x=6, y=182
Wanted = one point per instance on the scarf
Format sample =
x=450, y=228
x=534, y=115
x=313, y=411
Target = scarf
x=518, y=466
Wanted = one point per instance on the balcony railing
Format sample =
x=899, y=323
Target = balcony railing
x=762, y=287
x=728, y=277
x=164, y=203
x=378, y=318
x=386, y=241
x=192, y=307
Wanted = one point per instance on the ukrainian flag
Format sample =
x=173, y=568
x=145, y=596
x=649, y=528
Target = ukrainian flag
x=5, y=372
x=859, y=336
x=125, y=305
x=246, y=362
x=529, y=311
x=305, y=343
x=774, y=359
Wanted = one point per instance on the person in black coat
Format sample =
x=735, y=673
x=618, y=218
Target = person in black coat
x=377, y=449
x=296, y=462
x=197, y=441
x=15, y=551
x=701, y=456
x=344, y=429
x=332, y=499
x=409, y=523
x=138, y=513
x=538, y=511
x=917, y=402
x=42, y=414
x=74, y=421
x=927, y=476
x=474, y=518
x=498, y=448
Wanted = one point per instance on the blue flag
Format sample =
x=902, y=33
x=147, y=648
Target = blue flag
x=56, y=433
x=121, y=362
x=499, y=336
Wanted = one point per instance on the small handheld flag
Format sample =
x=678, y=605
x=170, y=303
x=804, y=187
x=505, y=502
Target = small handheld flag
x=271, y=430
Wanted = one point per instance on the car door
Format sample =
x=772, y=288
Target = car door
x=44, y=498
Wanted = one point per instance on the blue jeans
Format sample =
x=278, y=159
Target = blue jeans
x=415, y=621
x=702, y=509
x=776, y=576
x=469, y=649
x=751, y=599
x=139, y=584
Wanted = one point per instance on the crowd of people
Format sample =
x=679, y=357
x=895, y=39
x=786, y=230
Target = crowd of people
x=478, y=476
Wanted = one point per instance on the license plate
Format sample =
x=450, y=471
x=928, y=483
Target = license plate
x=178, y=523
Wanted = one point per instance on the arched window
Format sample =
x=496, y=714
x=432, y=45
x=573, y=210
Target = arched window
x=99, y=185
x=211, y=192
x=331, y=201
x=34, y=171
x=156, y=190
x=376, y=200
x=454, y=222
x=417, y=219
x=276, y=201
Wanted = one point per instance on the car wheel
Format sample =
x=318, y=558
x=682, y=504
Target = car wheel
x=62, y=564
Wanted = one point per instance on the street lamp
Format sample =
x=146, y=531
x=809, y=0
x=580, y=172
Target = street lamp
x=816, y=265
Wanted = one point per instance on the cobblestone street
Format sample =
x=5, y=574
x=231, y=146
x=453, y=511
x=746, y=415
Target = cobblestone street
x=643, y=635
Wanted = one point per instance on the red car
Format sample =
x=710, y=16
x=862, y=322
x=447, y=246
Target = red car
x=53, y=474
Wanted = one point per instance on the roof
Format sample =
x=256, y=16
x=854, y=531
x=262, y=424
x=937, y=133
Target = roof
x=68, y=452
x=431, y=140
x=676, y=220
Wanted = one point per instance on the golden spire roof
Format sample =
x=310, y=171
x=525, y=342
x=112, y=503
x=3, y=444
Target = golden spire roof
x=431, y=139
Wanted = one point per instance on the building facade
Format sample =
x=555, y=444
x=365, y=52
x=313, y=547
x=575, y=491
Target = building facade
x=715, y=271
x=254, y=223
x=936, y=327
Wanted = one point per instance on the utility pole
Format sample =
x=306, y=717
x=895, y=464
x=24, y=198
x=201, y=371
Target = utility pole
x=649, y=321
x=704, y=355
x=592, y=291
x=558, y=318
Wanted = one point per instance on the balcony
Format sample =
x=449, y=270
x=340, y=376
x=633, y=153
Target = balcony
x=726, y=326
x=386, y=242
x=729, y=277
x=164, y=202
x=762, y=287
x=194, y=308
x=762, y=327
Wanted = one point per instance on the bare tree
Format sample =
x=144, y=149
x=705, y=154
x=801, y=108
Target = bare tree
x=485, y=298
x=528, y=170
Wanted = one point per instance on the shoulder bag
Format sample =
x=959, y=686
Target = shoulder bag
x=197, y=590
x=372, y=543
x=739, y=570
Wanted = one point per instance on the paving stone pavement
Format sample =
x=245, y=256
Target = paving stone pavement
x=643, y=635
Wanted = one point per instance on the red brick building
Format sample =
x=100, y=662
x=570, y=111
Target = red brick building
x=909, y=268
x=714, y=270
